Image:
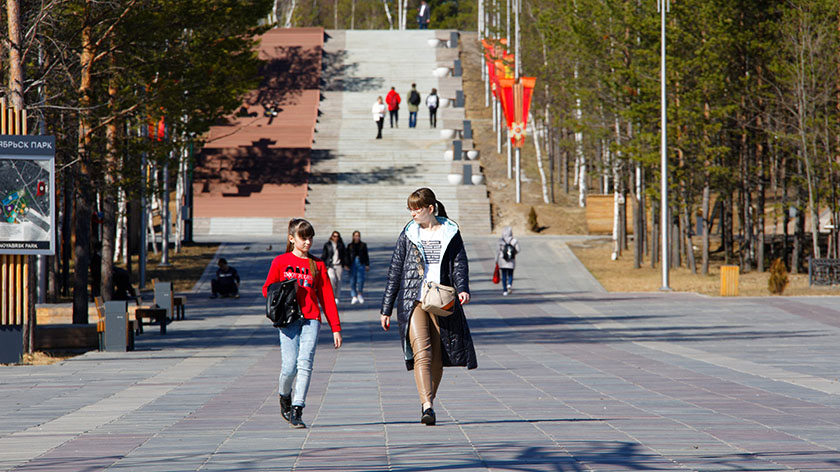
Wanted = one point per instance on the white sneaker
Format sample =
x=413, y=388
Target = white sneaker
x=505, y=293
x=354, y=300
x=336, y=301
x=510, y=289
x=361, y=298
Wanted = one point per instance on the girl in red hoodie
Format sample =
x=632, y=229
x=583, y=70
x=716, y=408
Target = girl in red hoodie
x=298, y=340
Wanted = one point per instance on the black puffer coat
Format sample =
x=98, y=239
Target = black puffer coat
x=405, y=278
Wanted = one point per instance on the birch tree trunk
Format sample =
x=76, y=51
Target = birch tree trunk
x=539, y=159
x=179, y=199
x=290, y=14
x=388, y=14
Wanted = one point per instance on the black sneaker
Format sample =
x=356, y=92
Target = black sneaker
x=286, y=407
x=295, y=421
x=428, y=417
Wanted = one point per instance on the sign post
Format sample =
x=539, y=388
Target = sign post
x=27, y=194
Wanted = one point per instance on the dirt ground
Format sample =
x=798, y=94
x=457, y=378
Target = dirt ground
x=621, y=276
x=185, y=267
x=562, y=217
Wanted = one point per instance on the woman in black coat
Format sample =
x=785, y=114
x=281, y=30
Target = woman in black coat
x=429, y=249
x=334, y=256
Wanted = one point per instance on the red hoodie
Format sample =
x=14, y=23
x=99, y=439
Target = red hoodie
x=393, y=100
x=310, y=290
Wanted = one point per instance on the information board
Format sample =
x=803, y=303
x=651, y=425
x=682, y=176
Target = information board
x=27, y=194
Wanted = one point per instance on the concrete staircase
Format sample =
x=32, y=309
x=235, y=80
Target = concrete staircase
x=361, y=183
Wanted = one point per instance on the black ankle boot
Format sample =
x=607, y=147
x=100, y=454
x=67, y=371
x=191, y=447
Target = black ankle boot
x=286, y=406
x=296, y=422
x=428, y=417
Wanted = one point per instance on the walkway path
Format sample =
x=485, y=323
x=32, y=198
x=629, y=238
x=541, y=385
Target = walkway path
x=570, y=378
x=361, y=183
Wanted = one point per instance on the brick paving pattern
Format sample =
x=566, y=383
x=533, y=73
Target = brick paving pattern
x=570, y=379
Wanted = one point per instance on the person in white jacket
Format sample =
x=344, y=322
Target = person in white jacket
x=378, y=111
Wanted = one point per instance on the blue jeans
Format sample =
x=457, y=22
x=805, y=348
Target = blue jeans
x=412, y=119
x=297, y=348
x=357, y=278
x=507, y=278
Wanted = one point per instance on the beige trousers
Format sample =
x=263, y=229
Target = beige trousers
x=424, y=336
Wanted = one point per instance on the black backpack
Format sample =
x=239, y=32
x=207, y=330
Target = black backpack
x=414, y=98
x=281, y=305
x=508, y=252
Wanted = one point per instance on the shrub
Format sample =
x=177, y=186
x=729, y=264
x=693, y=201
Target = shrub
x=532, y=221
x=778, y=277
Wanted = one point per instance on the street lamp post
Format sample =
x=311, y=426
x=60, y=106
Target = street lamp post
x=663, y=6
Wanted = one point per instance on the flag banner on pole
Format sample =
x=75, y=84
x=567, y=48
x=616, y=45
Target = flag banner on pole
x=516, y=102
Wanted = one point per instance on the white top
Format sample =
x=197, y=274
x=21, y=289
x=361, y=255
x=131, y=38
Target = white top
x=432, y=241
x=378, y=111
x=336, y=260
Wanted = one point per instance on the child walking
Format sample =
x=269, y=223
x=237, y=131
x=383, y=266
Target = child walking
x=299, y=339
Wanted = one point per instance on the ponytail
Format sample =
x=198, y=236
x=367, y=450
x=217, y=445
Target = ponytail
x=440, y=210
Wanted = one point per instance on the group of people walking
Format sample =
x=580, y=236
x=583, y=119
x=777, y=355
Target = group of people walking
x=352, y=258
x=429, y=257
x=391, y=105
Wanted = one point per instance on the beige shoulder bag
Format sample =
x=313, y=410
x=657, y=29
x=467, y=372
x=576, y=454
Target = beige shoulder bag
x=438, y=299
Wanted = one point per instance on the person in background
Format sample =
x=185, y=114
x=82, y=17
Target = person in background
x=413, y=106
x=424, y=15
x=378, y=111
x=432, y=102
x=506, y=258
x=357, y=254
x=122, y=285
x=335, y=258
x=393, y=101
x=226, y=283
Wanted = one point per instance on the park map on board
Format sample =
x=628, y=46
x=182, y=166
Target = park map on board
x=25, y=203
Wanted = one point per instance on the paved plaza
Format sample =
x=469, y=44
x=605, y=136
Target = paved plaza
x=570, y=378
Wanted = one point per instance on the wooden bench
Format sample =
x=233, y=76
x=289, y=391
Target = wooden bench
x=152, y=313
x=66, y=337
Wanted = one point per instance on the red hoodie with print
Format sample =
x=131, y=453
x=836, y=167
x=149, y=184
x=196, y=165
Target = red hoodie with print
x=311, y=290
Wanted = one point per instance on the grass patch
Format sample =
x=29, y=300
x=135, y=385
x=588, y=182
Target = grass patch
x=621, y=276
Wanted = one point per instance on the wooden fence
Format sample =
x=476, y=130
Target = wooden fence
x=15, y=296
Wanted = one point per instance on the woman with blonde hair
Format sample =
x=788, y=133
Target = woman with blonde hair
x=429, y=250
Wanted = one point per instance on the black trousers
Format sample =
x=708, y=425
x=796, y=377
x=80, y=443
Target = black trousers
x=223, y=289
x=379, y=124
x=395, y=117
x=433, y=117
